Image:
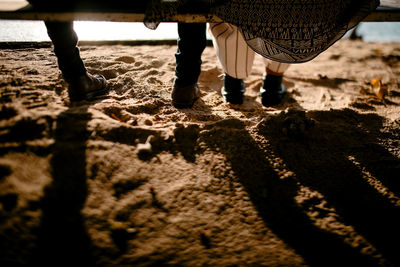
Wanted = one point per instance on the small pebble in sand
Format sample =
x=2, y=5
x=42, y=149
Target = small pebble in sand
x=145, y=151
x=148, y=122
x=132, y=122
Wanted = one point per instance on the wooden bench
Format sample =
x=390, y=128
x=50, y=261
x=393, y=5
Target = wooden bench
x=389, y=10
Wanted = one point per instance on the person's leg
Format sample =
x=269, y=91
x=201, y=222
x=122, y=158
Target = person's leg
x=235, y=57
x=81, y=85
x=65, y=43
x=232, y=50
x=273, y=90
x=191, y=44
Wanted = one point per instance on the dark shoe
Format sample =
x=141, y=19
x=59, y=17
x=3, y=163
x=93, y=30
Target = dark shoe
x=185, y=96
x=233, y=90
x=87, y=87
x=272, y=90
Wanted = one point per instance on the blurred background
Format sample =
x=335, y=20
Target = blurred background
x=18, y=30
x=32, y=31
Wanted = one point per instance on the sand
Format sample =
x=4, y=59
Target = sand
x=129, y=180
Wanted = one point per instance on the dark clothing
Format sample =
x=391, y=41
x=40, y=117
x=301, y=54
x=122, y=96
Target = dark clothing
x=285, y=31
x=65, y=42
x=191, y=44
x=63, y=36
x=289, y=31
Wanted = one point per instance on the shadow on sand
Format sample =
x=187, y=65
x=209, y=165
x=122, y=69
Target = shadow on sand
x=330, y=158
x=62, y=237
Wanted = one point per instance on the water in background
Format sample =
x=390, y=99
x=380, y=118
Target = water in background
x=17, y=30
x=379, y=31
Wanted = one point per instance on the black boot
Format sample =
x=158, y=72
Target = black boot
x=272, y=90
x=184, y=96
x=233, y=90
x=81, y=85
x=86, y=87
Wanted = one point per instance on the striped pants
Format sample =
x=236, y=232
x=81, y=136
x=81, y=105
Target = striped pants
x=235, y=55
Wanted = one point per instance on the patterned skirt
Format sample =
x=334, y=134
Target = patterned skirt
x=289, y=31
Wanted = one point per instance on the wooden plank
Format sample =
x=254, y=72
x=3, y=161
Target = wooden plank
x=101, y=16
x=21, y=10
x=390, y=3
x=389, y=14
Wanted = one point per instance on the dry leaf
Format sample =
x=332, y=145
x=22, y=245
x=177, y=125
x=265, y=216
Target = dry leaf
x=383, y=91
x=379, y=89
x=376, y=83
x=116, y=117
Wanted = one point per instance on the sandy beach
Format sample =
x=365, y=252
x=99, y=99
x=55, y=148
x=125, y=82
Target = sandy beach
x=129, y=180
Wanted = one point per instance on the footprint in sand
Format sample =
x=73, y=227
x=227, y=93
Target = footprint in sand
x=126, y=59
x=157, y=63
x=151, y=72
x=124, y=186
x=153, y=75
x=154, y=80
x=93, y=63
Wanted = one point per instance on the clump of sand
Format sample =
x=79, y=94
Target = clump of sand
x=129, y=180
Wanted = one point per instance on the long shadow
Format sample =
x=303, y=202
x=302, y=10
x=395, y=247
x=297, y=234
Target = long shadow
x=274, y=199
x=62, y=237
x=380, y=162
x=331, y=83
x=334, y=158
